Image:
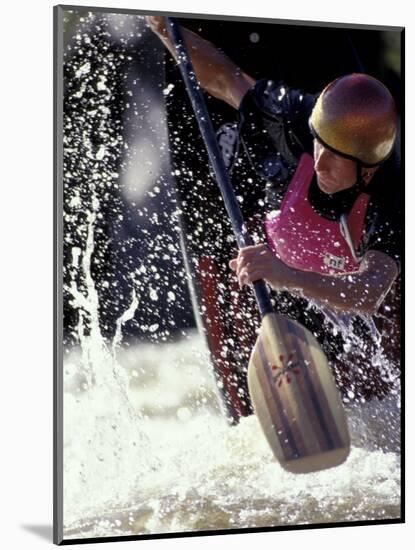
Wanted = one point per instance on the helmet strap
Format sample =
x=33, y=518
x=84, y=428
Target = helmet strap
x=360, y=182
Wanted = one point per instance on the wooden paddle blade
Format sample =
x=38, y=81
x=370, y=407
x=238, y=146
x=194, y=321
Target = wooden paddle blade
x=296, y=399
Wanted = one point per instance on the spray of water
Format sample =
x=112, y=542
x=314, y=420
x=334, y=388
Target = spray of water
x=102, y=435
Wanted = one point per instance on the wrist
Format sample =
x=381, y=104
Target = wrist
x=285, y=277
x=293, y=279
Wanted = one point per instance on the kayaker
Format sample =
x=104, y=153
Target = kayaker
x=332, y=200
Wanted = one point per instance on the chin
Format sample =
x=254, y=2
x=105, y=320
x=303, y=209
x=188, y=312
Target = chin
x=325, y=188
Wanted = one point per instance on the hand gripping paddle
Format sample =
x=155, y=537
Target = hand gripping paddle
x=289, y=380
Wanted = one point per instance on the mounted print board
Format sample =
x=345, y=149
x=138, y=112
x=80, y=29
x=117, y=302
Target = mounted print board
x=229, y=248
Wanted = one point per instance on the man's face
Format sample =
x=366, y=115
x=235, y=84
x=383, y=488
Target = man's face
x=334, y=172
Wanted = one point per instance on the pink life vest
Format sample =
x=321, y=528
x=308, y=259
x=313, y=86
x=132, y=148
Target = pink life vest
x=303, y=239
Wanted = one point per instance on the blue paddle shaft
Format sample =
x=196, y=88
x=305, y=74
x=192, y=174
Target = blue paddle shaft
x=222, y=178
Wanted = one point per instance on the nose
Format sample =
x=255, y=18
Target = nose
x=320, y=159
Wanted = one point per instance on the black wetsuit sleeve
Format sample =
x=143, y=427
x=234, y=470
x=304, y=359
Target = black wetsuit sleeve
x=384, y=222
x=385, y=233
x=273, y=125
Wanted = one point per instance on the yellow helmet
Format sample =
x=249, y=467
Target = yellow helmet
x=355, y=116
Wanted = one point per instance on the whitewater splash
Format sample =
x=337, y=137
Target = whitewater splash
x=102, y=436
x=191, y=471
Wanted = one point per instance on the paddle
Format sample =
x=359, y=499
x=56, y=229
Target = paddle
x=289, y=379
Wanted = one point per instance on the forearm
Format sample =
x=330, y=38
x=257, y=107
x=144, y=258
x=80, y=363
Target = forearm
x=215, y=72
x=346, y=293
x=360, y=292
